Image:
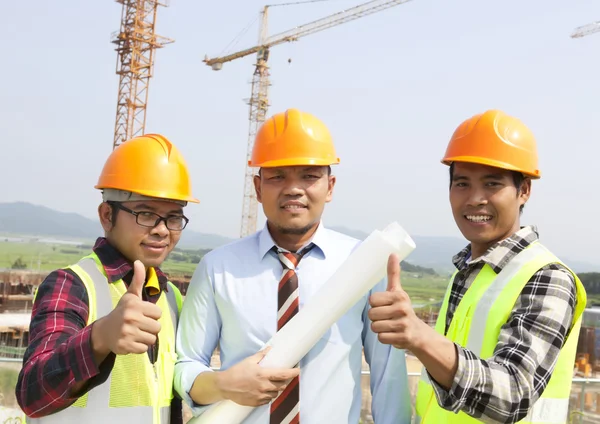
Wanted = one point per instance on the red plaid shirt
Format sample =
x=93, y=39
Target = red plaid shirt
x=60, y=351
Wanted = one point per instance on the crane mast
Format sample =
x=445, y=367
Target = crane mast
x=259, y=104
x=136, y=43
x=259, y=101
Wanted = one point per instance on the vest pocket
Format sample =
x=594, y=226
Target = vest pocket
x=461, y=333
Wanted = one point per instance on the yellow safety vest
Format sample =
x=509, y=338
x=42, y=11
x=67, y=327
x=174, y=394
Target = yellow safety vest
x=136, y=391
x=484, y=309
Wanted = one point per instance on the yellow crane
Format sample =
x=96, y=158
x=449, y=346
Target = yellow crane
x=136, y=43
x=259, y=101
x=584, y=30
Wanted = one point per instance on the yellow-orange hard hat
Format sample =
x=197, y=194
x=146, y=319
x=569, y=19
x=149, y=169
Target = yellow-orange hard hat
x=293, y=138
x=495, y=139
x=148, y=165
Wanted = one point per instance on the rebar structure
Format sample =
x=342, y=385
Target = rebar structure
x=136, y=43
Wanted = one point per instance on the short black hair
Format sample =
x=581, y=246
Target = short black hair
x=328, y=170
x=518, y=179
x=114, y=211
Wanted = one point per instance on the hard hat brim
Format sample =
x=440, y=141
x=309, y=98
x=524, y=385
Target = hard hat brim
x=154, y=194
x=294, y=162
x=490, y=162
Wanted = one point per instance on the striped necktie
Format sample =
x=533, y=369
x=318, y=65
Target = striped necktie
x=285, y=409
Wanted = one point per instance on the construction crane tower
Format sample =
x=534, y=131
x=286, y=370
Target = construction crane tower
x=584, y=30
x=136, y=43
x=259, y=98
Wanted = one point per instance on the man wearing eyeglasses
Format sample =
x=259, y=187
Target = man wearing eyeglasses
x=102, y=332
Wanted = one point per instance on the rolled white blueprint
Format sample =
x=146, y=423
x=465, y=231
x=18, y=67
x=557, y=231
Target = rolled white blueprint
x=365, y=266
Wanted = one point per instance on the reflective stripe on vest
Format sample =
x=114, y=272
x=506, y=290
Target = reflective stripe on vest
x=97, y=408
x=482, y=310
x=479, y=329
x=173, y=306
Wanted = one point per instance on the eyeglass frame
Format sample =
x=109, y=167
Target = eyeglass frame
x=158, y=220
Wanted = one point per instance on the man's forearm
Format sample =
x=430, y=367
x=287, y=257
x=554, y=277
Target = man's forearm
x=205, y=389
x=438, y=354
x=100, y=352
x=99, y=347
x=59, y=356
x=71, y=370
x=503, y=387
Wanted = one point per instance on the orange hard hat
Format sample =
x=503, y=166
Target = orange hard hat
x=293, y=138
x=495, y=139
x=148, y=165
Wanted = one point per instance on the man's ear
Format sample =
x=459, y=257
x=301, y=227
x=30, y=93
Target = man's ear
x=257, y=188
x=105, y=213
x=330, y=185
x=524, y=191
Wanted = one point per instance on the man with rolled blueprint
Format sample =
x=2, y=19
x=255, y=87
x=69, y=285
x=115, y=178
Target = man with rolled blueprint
x=241, y=294
x=512, y=312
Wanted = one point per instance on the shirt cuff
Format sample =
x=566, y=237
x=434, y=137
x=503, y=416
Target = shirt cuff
x=466, y=373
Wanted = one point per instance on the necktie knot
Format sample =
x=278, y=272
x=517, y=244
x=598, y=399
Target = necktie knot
x=290, y=260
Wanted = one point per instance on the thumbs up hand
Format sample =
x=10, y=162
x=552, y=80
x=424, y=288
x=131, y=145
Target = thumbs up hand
x=132, y=326
x=138, y=281
x=392, y=314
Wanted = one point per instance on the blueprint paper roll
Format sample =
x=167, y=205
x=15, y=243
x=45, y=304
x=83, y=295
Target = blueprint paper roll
x=353, y=279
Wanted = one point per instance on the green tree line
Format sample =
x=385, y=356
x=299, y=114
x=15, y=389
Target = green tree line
x=408, y=267
x=194, y=256
x=591, y=282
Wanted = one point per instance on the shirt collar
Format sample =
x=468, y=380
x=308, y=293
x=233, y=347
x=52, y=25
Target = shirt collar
x=320, y=239
x=501, y=253
x=118, y=268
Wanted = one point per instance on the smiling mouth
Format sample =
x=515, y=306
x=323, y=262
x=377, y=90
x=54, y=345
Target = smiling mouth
x=478, y=218
x=293, y=207
x=155, y=247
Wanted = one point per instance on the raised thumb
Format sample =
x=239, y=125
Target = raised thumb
x=139, y=279
x=393, y=273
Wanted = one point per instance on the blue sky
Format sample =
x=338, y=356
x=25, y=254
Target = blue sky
x=392, y=87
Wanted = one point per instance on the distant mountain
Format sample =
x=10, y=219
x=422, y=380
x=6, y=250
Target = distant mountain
x=196, y=240
x=431, y=252
x=21, y=218
x=27, y=219
x=437, y=252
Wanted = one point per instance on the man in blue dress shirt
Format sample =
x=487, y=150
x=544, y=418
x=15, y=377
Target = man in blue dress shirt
x=242, y=293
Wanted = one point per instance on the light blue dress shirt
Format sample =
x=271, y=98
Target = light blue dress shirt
x=232, y=301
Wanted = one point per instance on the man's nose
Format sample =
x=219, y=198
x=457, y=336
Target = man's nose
x=293, y=188
x=160, y=229
x=477, y=198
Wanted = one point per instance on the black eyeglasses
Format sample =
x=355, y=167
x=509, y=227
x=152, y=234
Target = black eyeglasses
x=151, y=219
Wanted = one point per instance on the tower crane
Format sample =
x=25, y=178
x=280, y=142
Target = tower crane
x=136, y=42
x=584, y=30
x=259, y=101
